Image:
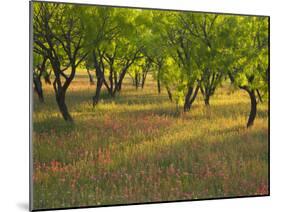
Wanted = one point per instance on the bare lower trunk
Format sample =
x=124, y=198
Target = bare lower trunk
x=98, y=90
x=253, y=111
x=207, y=93
x=60, y=98
x=47, y=77
x=143, y=80
x=118, y=87
x=100, y=78
x=259, y=95
x=169, y=94
x=90, y=77
x=47, y=80
x=136, y=81
x=253, y=99
x=45, y=73
x=158, y=86
x=190, y=97
x=38, y=88
x=112, y=93
x=187, y=106
x=115, y=78
x=207, y=100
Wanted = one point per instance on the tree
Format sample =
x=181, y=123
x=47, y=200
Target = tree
x=112, y=39
x=40, y=66
x=204, y=30
x=58, y=36
x=101, y=29
x=38, y=69
x=139, y=71
x=249, y=67
x=119, y=62
x=125, y=49
x=185, y=52
x=181, y=43
x=88, y=65
x=155, y=49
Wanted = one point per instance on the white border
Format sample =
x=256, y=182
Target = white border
x=14, y=90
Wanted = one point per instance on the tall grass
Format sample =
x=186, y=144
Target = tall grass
x=138, y=147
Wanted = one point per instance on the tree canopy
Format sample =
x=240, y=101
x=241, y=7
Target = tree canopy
x=187, y=53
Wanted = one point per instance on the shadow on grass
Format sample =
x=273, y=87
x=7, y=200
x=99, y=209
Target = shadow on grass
x=53, y=125
x=198, y=112
x=232, y=140
x=159, y=106
x=75, y=98
x=232, y=110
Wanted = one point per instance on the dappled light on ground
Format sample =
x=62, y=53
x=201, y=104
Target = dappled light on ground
x=140, y=147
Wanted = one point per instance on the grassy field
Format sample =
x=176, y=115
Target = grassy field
x=139, y=147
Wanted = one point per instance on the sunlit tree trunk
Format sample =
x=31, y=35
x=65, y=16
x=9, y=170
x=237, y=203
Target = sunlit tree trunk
x=38, y=87
x=90, y=77
x=98, y=90
x=169, y=93
x=190, y=97
x=158, y=86
x=253, y=111
x=60, y=98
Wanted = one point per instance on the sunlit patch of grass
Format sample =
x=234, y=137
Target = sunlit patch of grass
x=138, y=147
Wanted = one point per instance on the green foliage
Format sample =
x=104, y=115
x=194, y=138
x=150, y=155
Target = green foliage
x=186, y=49
x=248, y=52
x=37, y=59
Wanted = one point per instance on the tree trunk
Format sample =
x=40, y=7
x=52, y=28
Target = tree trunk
x=259, y=95
x=190, y=97
x=207, y=92
x=136, y=81
x=115, y=78
x=253, y=111
x=98, y=90
x=90, y=77
x=186, y=106
x=108, y=87
x=38, y=88
x=169, y=93
x=118, y=87
x=253, y=99
x=44, y=72
x=187, y=103
x=60, y=98
x=207, y=100
x=47, y=78
x=111, y=71
x=143, y=80
x=100, y=79
x=158, y=86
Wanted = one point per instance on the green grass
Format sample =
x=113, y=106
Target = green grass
x=139, y=147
